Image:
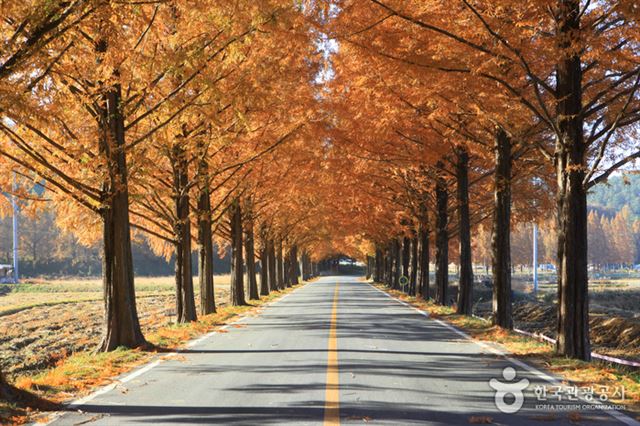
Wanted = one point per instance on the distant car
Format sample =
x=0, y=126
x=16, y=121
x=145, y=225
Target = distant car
x=547, y=267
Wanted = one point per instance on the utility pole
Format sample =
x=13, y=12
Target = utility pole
x=535, y=259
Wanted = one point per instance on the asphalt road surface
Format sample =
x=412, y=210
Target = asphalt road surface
x=336, y=351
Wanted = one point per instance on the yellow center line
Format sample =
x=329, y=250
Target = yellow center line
x=332, y=396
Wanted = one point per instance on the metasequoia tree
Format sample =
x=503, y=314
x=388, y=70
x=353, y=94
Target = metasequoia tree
x=28, y=30
x=222, y=129
x=572, y=65
x=142, y=66
x=77, y=142
x=397, y=154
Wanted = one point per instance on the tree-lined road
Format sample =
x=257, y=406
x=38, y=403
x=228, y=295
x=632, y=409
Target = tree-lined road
x=335, y=351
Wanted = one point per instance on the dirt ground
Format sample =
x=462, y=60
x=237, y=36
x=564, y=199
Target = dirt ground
x=36, y=338
x=614, y=317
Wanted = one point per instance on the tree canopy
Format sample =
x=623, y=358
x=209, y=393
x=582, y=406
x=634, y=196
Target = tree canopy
x=308, y=129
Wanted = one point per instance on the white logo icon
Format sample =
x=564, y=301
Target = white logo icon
x=509, y=388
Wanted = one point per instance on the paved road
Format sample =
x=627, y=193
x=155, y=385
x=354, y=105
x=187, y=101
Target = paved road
x=335, y=351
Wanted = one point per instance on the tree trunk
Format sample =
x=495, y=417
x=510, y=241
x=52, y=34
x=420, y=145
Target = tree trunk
x=264, y=267
x=465, y=283
x=303, y=266
x=121, y=324
x=306, y=267
x=397, y=264
x=406, y=262
x=500, y=241
x=279, y=266
x=573, y=293
x=273, y=279
x=287, y=268
x=249, y=249
x=295, y=270
x=205, y=243
x=237, y=273
x=442, y=241
x=389, y=265
x=377, y=275
x=424, y=260
x=185, y=301
x=413, y=278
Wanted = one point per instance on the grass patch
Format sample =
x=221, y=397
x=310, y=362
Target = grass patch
x=538, y=353
x=79, y=372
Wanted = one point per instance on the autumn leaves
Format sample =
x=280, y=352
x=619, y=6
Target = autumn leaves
x=156, y=119
x=209, y=121
x=543, y=96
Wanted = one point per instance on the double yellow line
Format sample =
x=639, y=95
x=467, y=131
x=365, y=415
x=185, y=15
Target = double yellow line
x=332, y=396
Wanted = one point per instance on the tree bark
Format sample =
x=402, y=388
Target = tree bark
x=389, y=265
x=303, y=266
x=442, y=240
x=306, y=267
x=406, y=262
x=377, y=272
x=237, y=273
x=121, y=324
x=264, y=272
x=205, y=243
x=500, y=241
x=249, y=249
x=295, y=270
x=573, y=294
x=185, y=301
x=279, y=266
x=424, y=260
x=465, y=283
x=264, y=264
x=271, y=251
x=287, y=268
x=397, y=264
x=413, y=276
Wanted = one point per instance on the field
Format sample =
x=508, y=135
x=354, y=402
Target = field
x=614, y=305
x=42, y=322
x=31, y=293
